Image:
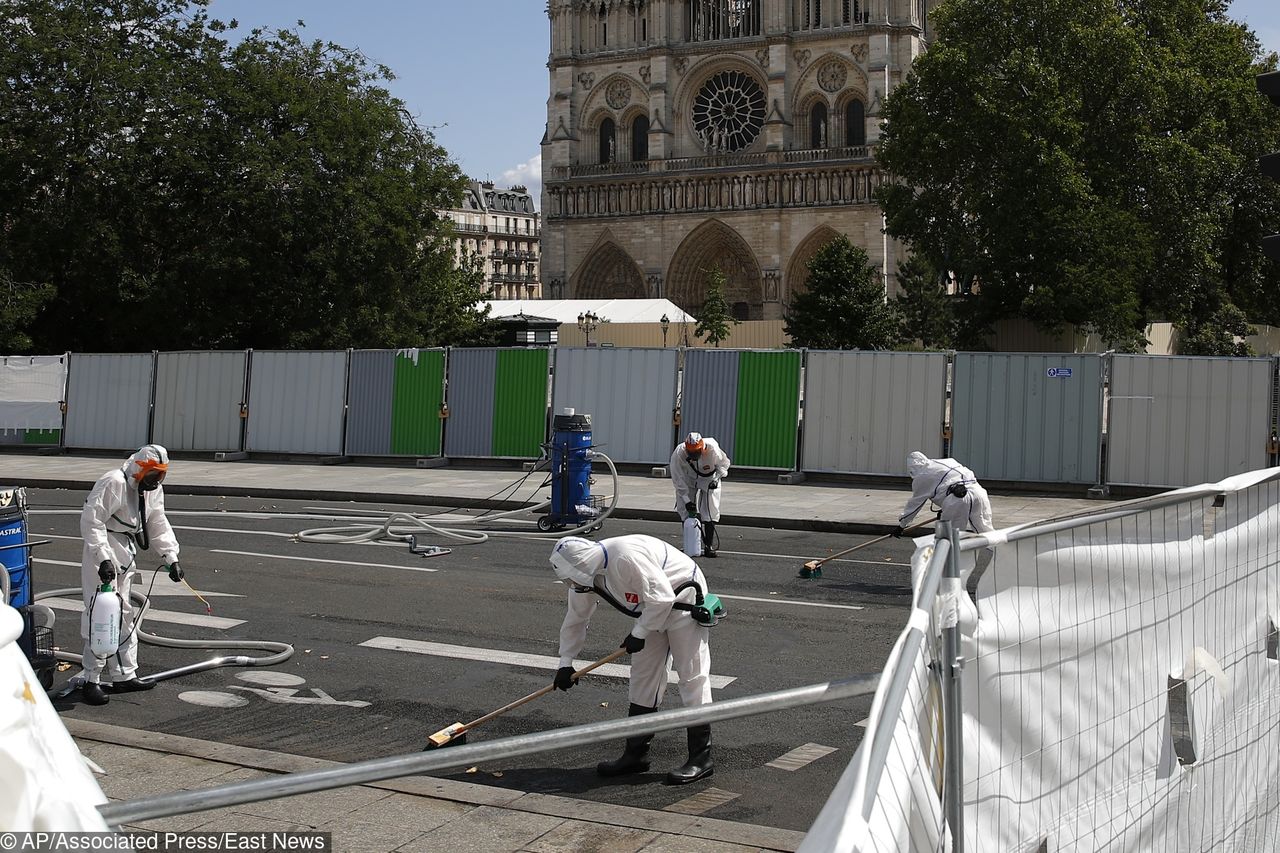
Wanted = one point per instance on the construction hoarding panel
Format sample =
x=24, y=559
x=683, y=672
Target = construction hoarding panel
x=865, y=411
x=198, y=400
x=709, y=397
x=468, y=431
x=109, y=400
x=1028, y=417
x=768, y=418
x=520, y=403
x=369, y=393
x=296, y=402
x=416, y=400
x=630, y=395
x=1180, y=420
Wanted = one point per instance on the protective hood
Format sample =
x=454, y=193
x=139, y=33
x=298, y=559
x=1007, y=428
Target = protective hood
x=917, y=463
x=579, y=560
x=147, y=458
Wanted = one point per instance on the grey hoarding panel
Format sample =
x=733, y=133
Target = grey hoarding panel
x=709, y=400
x=629, y=393
x=109, y=400
x=469, y=428
x=295, y=402
x=369, y=390
x=198, y=397
x=1028, y=417
x=1181, y=421
x=865, y=411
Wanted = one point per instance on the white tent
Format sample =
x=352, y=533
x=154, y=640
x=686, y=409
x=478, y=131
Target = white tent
x=610, y=310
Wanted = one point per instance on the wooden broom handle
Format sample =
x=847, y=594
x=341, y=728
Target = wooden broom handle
x=544, y=691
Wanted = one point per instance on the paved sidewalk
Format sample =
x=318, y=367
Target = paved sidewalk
x=839, y=507
x=411, y=814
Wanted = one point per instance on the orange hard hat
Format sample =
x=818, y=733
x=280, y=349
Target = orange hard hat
x=693, y=443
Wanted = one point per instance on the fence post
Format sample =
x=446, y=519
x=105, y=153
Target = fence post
x=953, y=662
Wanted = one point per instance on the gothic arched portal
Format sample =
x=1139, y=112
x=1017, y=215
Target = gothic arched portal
x=798, y=269
x=608, y=273
x=710, y=246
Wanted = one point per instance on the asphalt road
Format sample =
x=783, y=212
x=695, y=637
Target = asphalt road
x=351, y=691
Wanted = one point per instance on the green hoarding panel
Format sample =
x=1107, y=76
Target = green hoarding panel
x=768, y=410
x=416, y=395
x=41, y=436
x=520, y=403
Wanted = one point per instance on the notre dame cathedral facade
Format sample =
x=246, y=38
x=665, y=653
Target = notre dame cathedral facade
x=688, y=135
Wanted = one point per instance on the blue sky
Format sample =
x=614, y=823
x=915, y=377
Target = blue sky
x=475, y=70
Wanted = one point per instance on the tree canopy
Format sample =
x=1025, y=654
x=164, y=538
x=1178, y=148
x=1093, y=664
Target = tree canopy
x=163, y=188
x=844, y=306
x=1088, y=161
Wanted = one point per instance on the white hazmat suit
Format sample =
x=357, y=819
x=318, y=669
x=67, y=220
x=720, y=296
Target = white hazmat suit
x=698, y=464
x=936, y=480
x=639, y=575
x=118, y=518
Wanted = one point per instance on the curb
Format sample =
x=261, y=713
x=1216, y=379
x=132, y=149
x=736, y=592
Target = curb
x=467, y=793
x=630, y=513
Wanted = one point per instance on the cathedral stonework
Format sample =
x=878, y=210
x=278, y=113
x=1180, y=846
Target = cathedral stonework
x=685, y=136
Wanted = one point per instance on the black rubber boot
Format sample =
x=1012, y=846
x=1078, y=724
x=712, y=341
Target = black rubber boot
x=699, y=765
x=709, y=538
x=133, y=685
x=635, y=757
x=93, y=694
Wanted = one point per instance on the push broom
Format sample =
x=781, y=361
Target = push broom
x=457, y=733
x=813, y=568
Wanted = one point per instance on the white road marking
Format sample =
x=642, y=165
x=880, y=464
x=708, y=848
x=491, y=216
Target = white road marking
x=800, y=756
x=703, y=801
x=233, y=530
x=289, y=696
x=790, y=601
x=444, y=650
x=213, y=699
x=863, y=723
x=169, y=616
x=316, y=560
x=267, y=678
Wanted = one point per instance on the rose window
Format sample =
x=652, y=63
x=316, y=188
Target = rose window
x=728, y=112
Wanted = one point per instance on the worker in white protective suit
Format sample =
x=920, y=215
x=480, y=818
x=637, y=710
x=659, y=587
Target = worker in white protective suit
x=949, y=486
x=123, y=513
x=698, y=464
x=650, y=581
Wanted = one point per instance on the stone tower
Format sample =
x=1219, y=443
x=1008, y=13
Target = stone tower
x=688, y=135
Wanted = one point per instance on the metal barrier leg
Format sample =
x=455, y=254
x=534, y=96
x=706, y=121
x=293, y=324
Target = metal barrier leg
x=953, y=661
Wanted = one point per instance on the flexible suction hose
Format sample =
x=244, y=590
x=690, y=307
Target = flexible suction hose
x=281, y=652
x=402, y=526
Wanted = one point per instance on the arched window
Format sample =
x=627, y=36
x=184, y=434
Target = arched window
x=608, y=145
x=640, y=138
x=818, y=129
x=855, y=126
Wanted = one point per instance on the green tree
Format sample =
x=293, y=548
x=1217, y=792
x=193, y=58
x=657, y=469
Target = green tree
x=926, y=313
x=715, y=317
x=18, y=305
x=1124, y=187
x=844, y=306
x=1216, y=333
x=179, y=191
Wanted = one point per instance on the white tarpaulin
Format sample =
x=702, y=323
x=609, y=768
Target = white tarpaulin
x=44, y=783
x=31, y=389
x=1120, y=690
x=1070, y=722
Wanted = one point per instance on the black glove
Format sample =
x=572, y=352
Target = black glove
x=897, y=533
x=176, y=574
x=106, y=572
x=691, y=508
x=713, y=485
x=632, y=644
x=564, y=678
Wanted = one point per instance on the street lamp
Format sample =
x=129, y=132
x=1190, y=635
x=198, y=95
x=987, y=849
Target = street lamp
x=665, y=323
x=587, y=322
